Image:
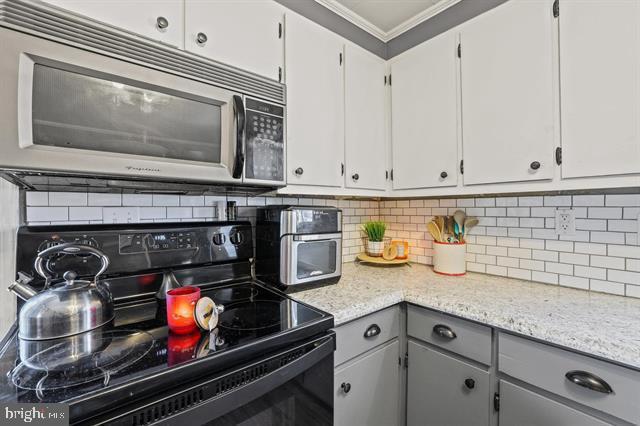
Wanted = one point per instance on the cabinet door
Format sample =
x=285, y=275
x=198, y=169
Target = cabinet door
x=246, y=34
x=508, y=114
x=315, y=104
x=424, y=117
x=522, y=407
x=442, y=390
x=367, y=390
x=138, y=16
x=600, y=86
x=365, y=141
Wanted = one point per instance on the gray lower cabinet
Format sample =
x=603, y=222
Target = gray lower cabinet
x=442, y=390
x=521, y=407
x=366, y=389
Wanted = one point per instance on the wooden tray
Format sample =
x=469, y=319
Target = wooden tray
x=364, y=257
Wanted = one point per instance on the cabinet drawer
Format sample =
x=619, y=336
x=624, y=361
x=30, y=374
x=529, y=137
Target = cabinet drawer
x=456, y=335
x=442, y=390
x=379, y=327
x=550, y=368
x=519, y=406
x=367, y=390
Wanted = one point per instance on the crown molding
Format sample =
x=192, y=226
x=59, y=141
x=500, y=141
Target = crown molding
x=372, y=29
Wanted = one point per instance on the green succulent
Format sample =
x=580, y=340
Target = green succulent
x=374, y=230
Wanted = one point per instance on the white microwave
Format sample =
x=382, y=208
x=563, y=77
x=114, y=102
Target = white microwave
x=71, y=110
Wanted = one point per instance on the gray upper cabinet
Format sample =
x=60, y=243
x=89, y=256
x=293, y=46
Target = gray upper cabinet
x=442, y=390
x=521, y=407
x=366, y=390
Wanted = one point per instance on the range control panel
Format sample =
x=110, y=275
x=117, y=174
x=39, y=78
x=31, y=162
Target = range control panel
x=136, y=248
x=157, y=241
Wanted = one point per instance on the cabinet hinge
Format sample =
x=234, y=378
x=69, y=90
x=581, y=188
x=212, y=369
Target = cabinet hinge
x=340, y=58
x=406, y=360
x=279, y=29
x=496, y=401
x=461, y=167
x=341, y=169
x=558, y=156
x=279, y=74
x=459, y=50
x=391, y=175
x=556, y=8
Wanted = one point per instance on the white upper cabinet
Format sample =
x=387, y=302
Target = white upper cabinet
x=315, y=104
x=246, y=34
x=365, y=129
x=424, y=117
x=162, y=20
x=507, y=75
x=600, y=87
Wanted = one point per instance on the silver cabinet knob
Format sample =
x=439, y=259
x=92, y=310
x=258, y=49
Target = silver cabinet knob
x=299, y=171
x=201, y=39
x=535, y=165
x=162, y=23
x=355, y=177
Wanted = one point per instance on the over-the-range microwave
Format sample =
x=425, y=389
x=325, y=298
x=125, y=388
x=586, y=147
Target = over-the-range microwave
x=68, y=108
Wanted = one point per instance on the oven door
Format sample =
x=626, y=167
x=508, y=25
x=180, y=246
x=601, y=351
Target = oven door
x=70, y=110
x=291, y=388
x=310, y=257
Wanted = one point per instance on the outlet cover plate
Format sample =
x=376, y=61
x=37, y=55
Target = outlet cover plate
x=565, y=222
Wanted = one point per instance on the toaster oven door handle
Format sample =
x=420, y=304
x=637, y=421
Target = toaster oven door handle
x=239, y=118
x=317, y=237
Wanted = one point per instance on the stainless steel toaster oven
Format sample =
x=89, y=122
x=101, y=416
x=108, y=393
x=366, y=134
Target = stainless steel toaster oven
x=298, y=246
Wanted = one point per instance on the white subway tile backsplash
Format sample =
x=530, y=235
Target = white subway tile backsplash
x=37, y=198
x=102, y=200
x=67, y=199
x=543, y=211
x=507, y=201
x=623, y=200
x=591, y=224
x=588, y=200
x=153, y=213
x=605, y=212
x=575, y=282
x=558, y=268
x=633, y=265
x=204, y=212
x=551, y=256
x=557, y=200
x=574, y=258
x=519, y=253
x=607, y=237
x=608, y=287
x=137, y=200
x=559, y=245
x=624, y=276
x=47, y=214
x=589, y=248
x=121, y=214
x=624, y=251
x=518, y=211
x=590, y=272
x=607, y=262
x=166, y=200
x=532, y=222
x=530, y=201
x=544, y=277
x=85, y=213
x=623, y=225
x=485, y=202
x=519, y=232
x=522, y=274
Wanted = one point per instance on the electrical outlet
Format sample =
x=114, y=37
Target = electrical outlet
x=565, y=222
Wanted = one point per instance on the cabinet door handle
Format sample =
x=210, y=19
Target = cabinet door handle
x=299, y=171
x=470, y=383
x=444, y=175
x=162, y=23
x=355, y=177
x=589, y=381
x=444, y=331
x=346, y=387
x=201, y=39
x=372, y=331
x=535, y=165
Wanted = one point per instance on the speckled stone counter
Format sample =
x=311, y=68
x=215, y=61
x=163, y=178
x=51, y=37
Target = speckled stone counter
x=599, y=324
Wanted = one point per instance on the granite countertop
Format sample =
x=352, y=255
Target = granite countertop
x=600, y=324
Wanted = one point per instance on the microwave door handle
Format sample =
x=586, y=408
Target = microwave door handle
x=239, y=118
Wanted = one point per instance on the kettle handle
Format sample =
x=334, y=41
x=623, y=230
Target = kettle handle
x=68, y=248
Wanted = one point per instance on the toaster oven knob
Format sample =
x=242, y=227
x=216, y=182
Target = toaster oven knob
x=219, y=239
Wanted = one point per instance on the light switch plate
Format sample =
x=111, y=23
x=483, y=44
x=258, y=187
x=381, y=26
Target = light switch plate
x=565, y=222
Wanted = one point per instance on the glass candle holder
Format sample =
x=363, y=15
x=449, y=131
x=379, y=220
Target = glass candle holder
x=180, y=305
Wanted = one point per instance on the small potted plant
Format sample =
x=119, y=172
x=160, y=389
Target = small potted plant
x=374, y=232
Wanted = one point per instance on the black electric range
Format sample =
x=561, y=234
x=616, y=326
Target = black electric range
x=269, y=360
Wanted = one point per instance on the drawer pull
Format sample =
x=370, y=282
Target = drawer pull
x=589, y=381
x=346, y=387
x=372, y=331
x=444, y=331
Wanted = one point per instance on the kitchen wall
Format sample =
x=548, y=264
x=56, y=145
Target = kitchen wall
x=516, y=237
x=62, y=208
x=9, y=220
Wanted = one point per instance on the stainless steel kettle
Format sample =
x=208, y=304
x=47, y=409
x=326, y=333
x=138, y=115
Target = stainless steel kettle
x=67, y=308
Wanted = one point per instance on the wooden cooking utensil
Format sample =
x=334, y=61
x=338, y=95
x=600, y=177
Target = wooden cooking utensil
x=434, y=231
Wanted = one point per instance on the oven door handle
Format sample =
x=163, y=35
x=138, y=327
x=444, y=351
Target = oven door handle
x=317, y=237
x=239, y=119
x=217, y=407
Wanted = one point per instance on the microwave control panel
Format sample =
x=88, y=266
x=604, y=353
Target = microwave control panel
x=264, y=141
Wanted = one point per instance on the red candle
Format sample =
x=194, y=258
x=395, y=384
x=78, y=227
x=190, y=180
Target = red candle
x=180, y=305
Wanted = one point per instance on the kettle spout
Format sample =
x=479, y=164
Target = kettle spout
x=21, y=287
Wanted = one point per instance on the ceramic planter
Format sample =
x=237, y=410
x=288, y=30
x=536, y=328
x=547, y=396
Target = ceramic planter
x=449, y=258
x=375, y=248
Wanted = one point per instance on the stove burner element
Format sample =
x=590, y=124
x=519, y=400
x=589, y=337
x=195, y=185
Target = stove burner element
x=234, y=294
x=120, y=349
x=256, y=315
